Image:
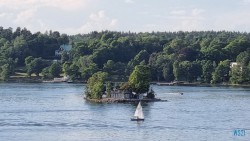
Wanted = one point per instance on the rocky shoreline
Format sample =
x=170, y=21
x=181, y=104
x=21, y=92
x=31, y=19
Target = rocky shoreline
x=114, y=100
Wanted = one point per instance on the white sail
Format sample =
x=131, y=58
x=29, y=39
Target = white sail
x=138, y=112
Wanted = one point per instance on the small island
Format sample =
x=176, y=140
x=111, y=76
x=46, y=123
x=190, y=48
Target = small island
x=136, y=89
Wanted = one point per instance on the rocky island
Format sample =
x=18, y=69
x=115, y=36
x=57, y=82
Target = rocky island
x=136, y=89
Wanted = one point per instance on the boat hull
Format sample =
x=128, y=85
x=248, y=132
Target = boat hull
x=137, y=119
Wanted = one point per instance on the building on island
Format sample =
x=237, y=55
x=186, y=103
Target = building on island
x=125, y=94
x=62, y=48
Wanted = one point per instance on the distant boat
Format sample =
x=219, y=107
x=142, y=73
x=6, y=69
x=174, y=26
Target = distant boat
x=180, y=93
x=138, y=116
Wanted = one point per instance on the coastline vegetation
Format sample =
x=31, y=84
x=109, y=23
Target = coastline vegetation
x=98, y=88
x=202, y=56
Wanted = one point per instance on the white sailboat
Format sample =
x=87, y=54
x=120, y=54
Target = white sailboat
x=138, y=116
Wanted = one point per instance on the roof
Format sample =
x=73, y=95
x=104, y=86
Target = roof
x=66, y=47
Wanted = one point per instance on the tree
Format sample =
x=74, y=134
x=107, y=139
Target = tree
x=239, y=74
x=109, y=66
x=74, y=72
x=175, y=46
x=236, y=74
x=193, y=53
x=221, y=73
x=235, y=47
x=180, y=70
x=207, y=70
x=28, y=60
x=141, y=56
x=188, y=54
x=194, y=71
x=167, y=72
x=100, y=56
x=86, y=66
x=45, y=73
x=34, y=66
x=243, y=58
x=2, y=42
x=176, y=70
x=5, y=72
x=55, y=69
x=64, y=57
x=38, y=64
x=11, y=64
x=108, y=88
x=20, y=49
x=87, y=72
x=139, y=79
x=66, y=68
x=96, y=85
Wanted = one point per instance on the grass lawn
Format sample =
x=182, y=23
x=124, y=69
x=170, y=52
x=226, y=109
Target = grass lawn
x=21, y=75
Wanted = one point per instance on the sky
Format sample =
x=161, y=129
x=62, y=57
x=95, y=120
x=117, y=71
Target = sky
x=84, y=16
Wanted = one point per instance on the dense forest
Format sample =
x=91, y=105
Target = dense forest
x=203, y=56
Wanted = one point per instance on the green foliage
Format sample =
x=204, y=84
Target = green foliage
x=45, y=73
x=55, y=69
x=108, y=88
x=169, y=55
x=161, y=67
x=221, y=73
x=28, y=60
x=96, y=85
x=5, y=72
x=7, y=68
x=34, y=65
x=74, y=72
x=86, y=66
x=207, y=70
x=66, y=68
x=239, y=73
x=115, y=70
x=243, y=58
x=187, y=71
x=71, y=70
x=142, y=56
x=125, y=86
x=20, y=49
x=64, y=57
x=52, y=71
x=109, y=66
x=179, y=70
x=236, y=75
x=139, y=79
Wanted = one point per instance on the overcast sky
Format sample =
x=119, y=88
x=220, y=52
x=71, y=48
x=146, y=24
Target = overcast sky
x=84, y=16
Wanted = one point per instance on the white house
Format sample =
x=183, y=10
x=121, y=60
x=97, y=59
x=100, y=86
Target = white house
x=62, y=48
x=233, y=64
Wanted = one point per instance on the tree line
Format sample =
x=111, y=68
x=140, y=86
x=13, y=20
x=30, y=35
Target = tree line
x=203, y=56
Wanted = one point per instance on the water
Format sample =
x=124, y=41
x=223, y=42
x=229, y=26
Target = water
x=58, y=112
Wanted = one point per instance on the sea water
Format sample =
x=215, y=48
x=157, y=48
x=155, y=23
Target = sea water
x=58, y=112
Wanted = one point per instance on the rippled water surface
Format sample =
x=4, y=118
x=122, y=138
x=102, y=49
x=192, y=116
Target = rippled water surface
x=58, y=112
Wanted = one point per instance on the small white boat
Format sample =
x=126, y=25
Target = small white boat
x=138, y=116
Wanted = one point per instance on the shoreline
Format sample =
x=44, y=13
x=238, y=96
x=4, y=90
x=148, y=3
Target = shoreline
x=35, y=79
x=200, y=84
x=39, y=80
x=113, y=100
